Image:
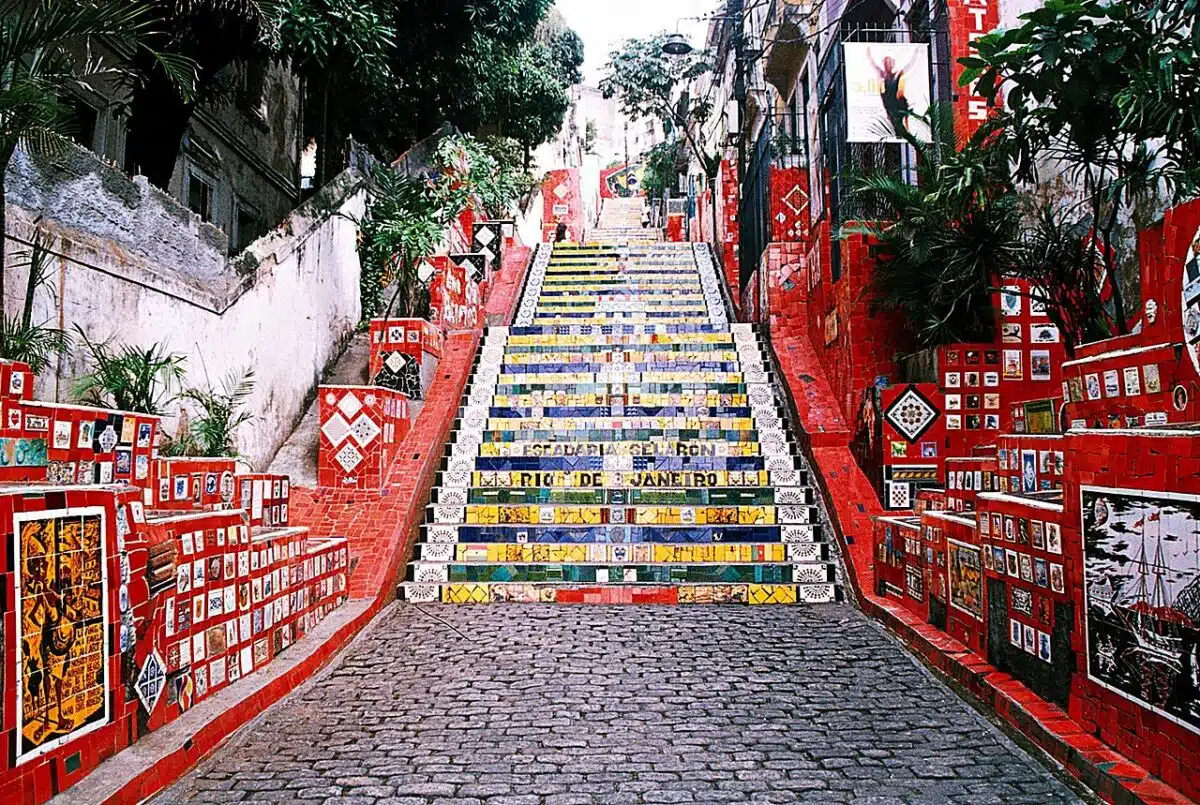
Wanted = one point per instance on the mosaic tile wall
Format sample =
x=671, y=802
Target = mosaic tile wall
x=622, y=443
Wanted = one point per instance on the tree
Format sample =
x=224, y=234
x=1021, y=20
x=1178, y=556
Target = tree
x=589, y=136
x=47, y=47
x=1106, y=94
x=341, y=50
x=665, y=163
x=944, y=241
x=648, y=82
x=212, y=34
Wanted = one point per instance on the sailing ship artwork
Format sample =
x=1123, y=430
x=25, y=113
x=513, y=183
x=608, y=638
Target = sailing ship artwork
x=1142, y=597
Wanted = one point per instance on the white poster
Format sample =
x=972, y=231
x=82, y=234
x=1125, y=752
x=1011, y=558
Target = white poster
x=886, y=85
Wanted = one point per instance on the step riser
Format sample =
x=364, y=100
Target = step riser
x=622, y=442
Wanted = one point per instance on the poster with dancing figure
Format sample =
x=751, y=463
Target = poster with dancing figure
x=887, y=91
x=1142, y=597
x=61, y=657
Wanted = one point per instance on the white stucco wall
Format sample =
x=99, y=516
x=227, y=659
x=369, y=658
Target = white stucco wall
x=283, y=308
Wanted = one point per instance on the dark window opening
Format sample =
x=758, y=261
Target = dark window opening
x=247, y=228
x=84, y=118
x=200, y=197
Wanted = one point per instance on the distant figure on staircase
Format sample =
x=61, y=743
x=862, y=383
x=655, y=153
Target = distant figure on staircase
x=645, y=217
x=560, y=232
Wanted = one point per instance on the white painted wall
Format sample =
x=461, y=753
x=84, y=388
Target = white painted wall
x=284, y=313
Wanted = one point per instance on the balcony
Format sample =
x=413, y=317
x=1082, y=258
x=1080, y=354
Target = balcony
x=790, y=28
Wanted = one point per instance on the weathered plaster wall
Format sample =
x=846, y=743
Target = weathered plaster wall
x=134, y=266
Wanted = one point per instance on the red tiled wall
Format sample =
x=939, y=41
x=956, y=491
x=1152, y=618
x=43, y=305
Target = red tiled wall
x=1161, y=386
x=1137, y=460
x=264, y=497
x=789, y=205
x=956, y=575
x=899, y=573
x=918, y=462
x=190, y=483
x=351, y=460
x=728, y=232
x=966, y=477
x=455, y=302
x=968, y=21
x=1012, y=449
x=562, y=198
x=674, y=231
x=413, y=337
x=67, y=444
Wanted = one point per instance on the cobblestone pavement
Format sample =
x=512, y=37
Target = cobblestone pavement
x=528, y=704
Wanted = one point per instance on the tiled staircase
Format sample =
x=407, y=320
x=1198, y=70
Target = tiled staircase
x=622, y=443
x=621, y=222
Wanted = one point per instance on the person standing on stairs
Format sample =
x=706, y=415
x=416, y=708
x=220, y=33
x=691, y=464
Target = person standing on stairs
x=560, y=232
x=645, y=217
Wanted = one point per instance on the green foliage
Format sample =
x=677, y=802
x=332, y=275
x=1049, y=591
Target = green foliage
x=649, y=83
x=1105, y=93
x=129, y=378
x=646, y=79
x=1062, y=261
x=943, y=241
x=488, y=170
x=212, y=430
x=665, y=163
x=46, y=50
x=589, y=136
x=478, y=64
x=334, y=35
x=20, y=338
x=404, y=222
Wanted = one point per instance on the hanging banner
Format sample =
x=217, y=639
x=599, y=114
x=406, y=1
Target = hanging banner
x=887, y=85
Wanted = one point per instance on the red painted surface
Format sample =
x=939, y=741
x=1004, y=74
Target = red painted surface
x=562, y=199
x=674, y=229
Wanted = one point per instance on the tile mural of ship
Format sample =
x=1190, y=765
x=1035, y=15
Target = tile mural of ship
x=1142, y=580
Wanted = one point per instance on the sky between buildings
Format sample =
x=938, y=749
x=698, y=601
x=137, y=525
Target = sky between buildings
x=603, y=24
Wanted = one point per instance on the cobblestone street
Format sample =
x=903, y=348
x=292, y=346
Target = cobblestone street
x=516, y=705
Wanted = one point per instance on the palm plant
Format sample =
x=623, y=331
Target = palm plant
x=129, y=378
x=404, y=222
x=46, y=49
x=943, y=242
x=20, y=338
x=213, y=430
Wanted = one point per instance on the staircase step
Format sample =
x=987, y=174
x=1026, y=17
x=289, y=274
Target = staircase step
x=616, y=554
x=533, y=593
x=798, y=533
x=622, y=443
x=758, y=571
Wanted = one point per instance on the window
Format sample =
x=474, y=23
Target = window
x=200, y=196
x=247, y=228
x=84, y=118
x=252, y=90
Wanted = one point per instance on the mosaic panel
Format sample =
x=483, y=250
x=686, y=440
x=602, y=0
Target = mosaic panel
x=622, y=442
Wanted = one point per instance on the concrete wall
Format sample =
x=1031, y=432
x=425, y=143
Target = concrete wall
x=135, y=266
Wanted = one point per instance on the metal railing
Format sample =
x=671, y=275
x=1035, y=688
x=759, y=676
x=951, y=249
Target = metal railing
x=755, y=208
